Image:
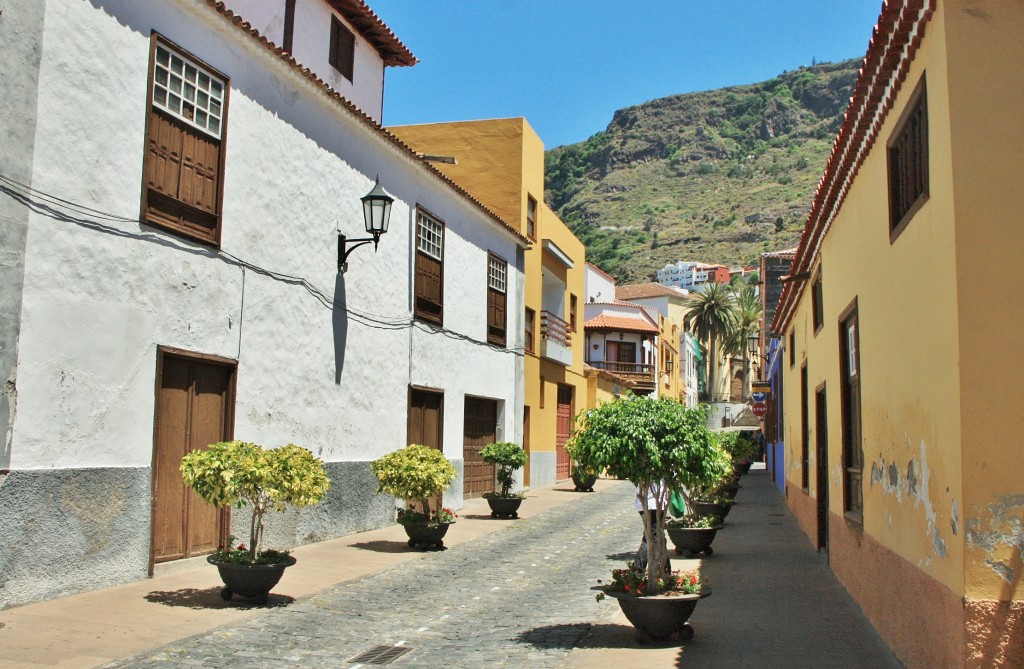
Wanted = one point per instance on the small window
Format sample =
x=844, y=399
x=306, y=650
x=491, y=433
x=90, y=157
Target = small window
x=343, y=48
x=817, y=304
x=497, y=279
x=572, y=313
x=908, y=163
x=792, y=348
x=429, y=281
x=531, y=217
x=187, y=91
x=528, y=330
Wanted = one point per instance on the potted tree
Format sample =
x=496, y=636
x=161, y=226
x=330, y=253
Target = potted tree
x=507, y=457
x=238, y=473
x=583, y=477
x=659, y=445
x=415, y=474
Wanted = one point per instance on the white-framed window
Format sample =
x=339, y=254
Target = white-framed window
x=429, y=235
x=188, y=91
x=497, y=271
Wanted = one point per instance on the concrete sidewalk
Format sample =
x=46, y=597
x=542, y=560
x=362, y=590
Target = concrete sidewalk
x=92, y=628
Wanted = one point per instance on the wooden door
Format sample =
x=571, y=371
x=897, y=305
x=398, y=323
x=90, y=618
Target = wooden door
x=425, y=424
x=194, y=408
x=479, y=427
x=821, y=430
x=563, y=429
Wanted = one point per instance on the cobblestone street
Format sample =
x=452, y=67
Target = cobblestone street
x=517, y=598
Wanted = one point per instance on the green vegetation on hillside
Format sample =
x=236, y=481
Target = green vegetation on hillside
x=716, y=176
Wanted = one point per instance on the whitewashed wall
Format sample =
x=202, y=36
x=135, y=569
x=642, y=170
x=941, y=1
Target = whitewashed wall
x=599, y=287
x=102, y=293
x=311, y=43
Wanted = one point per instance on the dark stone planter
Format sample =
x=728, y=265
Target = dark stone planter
x=658, y=618
x=729, y=490
x=742, y=467
x=426, y=536
x=692, y=540
x=249, y=580
x=503, y=507
x=712, y=509
x=584, y=482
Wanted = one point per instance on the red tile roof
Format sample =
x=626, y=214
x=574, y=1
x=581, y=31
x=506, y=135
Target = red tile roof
x=624, y=323
x=638, y=291
x=338, y=99
x=894, y=42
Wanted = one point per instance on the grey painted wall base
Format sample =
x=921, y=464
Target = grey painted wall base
x=64, y=531
x=350, y=506
x=542, y=469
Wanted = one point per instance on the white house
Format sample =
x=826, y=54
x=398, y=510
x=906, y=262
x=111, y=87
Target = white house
x=172, y=187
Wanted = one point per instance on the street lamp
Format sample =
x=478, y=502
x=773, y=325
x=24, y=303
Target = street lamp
x=753, y=343
x=376, y=213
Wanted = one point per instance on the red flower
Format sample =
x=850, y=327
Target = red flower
x=627, y=588
x=241, y=547
x=693, y=579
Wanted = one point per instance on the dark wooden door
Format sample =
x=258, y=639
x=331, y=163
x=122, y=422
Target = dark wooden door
x=479, y=427
x=821, y=442
x=426, y=420
x=194, y=408
x=526, y=444
x=563, y=428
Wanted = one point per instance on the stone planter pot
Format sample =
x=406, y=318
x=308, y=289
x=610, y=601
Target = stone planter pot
x=712, y=509
x=249, y=580
x=426, y=536
x=692, y=541
x=658, y=618
x=503, y=507
x=728, y=490
x=584, y=482
x=742, y=467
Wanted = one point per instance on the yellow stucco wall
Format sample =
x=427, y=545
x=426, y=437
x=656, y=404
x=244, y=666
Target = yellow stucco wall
x=986, y=112
x=910, y=386
x=501, y=163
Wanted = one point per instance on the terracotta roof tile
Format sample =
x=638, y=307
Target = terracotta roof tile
x=894, y=41
x=638, y=291
x=625, y=323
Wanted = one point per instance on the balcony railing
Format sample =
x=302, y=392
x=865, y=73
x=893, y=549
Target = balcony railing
x=630, y=370
x=553, y=327
x=555, y=339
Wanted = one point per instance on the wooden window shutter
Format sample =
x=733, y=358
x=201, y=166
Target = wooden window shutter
x=343, y=49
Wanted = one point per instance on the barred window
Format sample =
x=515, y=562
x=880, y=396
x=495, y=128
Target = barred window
x=908, y=163
x=428, y=235
x=497, y=300
x=187, y=91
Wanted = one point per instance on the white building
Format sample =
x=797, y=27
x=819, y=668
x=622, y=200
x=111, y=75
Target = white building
x=172, y=187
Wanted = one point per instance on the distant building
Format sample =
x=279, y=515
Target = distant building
x=692, y=275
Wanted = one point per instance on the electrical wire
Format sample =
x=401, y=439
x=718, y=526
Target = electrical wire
x=57, y=208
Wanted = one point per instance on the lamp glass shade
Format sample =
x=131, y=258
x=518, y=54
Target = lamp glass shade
x=752, y=343
x=377, y=210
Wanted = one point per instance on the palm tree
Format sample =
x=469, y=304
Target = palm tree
x=711, y=317
x=748, y=311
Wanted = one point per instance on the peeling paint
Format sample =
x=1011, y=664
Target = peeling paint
x=999, y=526
x=913, y=485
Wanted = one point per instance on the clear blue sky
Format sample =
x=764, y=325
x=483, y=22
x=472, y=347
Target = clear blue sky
x=567, y=65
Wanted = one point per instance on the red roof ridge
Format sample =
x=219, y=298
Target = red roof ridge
x=894, y=40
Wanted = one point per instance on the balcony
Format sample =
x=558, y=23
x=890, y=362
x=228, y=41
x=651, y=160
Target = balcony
x=555, y=339
x=637, y=372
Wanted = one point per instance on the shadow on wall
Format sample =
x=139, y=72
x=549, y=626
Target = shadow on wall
x=339, y=321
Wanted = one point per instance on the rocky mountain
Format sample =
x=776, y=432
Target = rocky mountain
x=715, y=176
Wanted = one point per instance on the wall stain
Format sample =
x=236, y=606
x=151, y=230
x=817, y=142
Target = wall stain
x=912, y=485
x=998, y=527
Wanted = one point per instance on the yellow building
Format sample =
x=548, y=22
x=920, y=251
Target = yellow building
x=501, y=163
x=902, y=320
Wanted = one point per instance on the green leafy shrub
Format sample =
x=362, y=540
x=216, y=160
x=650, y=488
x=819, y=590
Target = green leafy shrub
x=414, y=473
x=240, y=473
x=659, y=445
x=507, y=457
